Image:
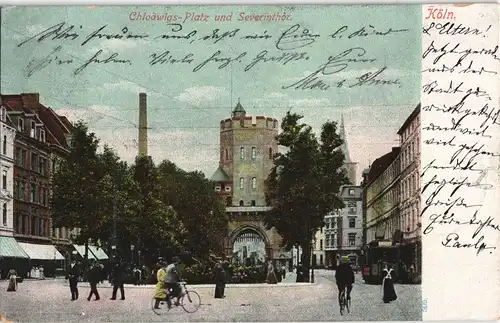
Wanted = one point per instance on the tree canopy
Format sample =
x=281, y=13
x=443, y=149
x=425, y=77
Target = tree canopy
x=304, y=183
x=160, y=209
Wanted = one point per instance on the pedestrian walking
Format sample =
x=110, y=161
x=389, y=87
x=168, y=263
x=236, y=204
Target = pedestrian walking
x=12, y=280
x=73, y=274
x=94, y=276
x=389, y=293
x=271, y=275
x=118, y=279
x=220, y=280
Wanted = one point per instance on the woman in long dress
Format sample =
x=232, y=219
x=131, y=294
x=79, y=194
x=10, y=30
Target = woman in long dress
x=160, y=290
x=12, y=280
x=388, y=285
x=271, y=275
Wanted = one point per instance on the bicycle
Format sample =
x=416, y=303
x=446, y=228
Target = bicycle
x=188, y=298
x=344, y=302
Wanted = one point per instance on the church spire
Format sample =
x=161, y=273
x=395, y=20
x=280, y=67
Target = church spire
x=342, y=134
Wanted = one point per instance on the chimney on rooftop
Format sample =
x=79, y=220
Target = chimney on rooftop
x=143, y=125
x=30, y=100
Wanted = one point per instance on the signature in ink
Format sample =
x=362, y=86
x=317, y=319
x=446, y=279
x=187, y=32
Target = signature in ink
x=452, y=241
x=334, y=64
x=38, y=64
x=373, y=78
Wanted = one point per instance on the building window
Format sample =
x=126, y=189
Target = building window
x=42, y=166
x=270, y=153
x=22, y=193
x=42, y=135
x=24, y=156
x=4, y=214
x=33, y=130
x=254, y=183
x=20, y=124
x=352, y=239
x=321, y=244
x=352, y=207
x=34, y=161
x=242, y=183
x=352, y=223
x=254, y=153
x=4, y=145
x=227, y=154
x=253, y=203
x=321, y=230
x=242, y=153
x=217, y=188
x=33, y=226
x=228, y=188
x=4, y=114
x=241, y=203
x=4, y=179
x=351, y=192
x=33, y=193
x=321, y=260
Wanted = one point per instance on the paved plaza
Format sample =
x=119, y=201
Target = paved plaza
x=49, y=301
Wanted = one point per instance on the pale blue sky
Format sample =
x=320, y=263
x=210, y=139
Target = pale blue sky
x=185, y=107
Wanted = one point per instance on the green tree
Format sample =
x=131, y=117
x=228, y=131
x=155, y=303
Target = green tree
x=160, y=232
x=77, y=188
x=303, y=185
x=200, y=210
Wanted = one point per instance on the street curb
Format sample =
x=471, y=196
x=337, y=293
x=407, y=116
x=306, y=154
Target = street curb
x=195, y=286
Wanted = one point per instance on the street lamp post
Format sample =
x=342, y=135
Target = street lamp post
x=312, y=267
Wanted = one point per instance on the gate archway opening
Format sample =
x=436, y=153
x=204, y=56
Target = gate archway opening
x=249, y=246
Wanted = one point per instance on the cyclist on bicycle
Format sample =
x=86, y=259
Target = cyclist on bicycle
x=173, y=280
x=344, y=275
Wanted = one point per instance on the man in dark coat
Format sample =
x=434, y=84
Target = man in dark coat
x=118, y=279
x=72, y=275
x=94, y=276
x=220, y=279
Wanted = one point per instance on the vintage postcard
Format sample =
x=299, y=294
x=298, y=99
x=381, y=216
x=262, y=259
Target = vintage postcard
x=249, y=163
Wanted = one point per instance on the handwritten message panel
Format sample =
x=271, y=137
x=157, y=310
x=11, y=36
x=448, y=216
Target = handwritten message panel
x=460, y=162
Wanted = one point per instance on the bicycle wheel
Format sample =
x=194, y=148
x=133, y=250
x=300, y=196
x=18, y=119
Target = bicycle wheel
x=191, y=301
x=159, y=308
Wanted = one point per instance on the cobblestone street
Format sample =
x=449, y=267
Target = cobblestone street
x=49, y=301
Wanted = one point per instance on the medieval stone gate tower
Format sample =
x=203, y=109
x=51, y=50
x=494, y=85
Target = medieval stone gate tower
x=247, y=146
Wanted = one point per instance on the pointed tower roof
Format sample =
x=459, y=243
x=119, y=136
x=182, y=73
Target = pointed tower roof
x=238, y=110
x=220, y=176
x=344, y=147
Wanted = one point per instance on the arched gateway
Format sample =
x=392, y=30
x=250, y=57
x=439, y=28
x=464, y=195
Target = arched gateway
x=247, y=148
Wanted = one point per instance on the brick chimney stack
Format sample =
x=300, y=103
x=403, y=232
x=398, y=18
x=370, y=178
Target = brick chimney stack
x=143, y=125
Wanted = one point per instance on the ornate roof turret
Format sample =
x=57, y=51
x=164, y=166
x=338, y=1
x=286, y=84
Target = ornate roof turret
x=238, y=110
x=220, y=176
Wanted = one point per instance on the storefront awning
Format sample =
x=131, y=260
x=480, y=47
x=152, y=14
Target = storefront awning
x=10, y=248
x=41, y=251
x=81, y=251
x=98, y=253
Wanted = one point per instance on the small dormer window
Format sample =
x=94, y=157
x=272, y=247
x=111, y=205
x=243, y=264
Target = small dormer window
x=42, y=135
x=228, y=188
x=217, y=188
x=33, y=129
x=20, y=124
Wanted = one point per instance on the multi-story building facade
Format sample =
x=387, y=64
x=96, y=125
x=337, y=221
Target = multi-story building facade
x=33, y=151
x=344, y=227
x=410, y=223
x=382, y=197
x=11, y=253
x=247, y=148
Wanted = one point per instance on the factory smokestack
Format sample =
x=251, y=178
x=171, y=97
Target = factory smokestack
x=143, y=125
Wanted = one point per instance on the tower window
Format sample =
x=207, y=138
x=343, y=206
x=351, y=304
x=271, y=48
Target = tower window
x=241, y=203
x=254, y=183
x=242, y=153
x=4, y=145
x=254, y=153
x=253, y=202
x=242, y=183
x=4, y=214
x=270, y=153
x=227, y=154
x=33, y=129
